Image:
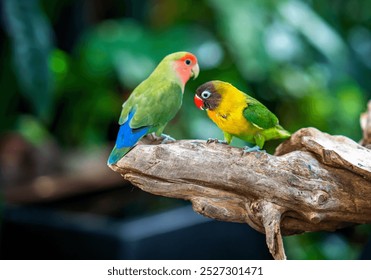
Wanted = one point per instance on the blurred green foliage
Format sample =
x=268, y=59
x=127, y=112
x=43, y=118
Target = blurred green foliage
x=31, y=36
x=67, y=66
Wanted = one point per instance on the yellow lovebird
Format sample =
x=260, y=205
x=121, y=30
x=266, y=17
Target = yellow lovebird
x=238, y=114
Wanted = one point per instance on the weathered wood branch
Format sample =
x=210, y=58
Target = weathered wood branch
x=365, y=121
x=314, y=182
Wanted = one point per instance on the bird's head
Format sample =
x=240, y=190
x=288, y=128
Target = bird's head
x=185, y=65
x=209, y=95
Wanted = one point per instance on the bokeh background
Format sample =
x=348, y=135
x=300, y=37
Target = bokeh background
x=66, y=66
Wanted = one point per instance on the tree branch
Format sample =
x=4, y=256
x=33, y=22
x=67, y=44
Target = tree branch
x=365, y=121
x=314, y=182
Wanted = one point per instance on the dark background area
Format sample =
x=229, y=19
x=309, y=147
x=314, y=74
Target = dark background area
x=66, y=66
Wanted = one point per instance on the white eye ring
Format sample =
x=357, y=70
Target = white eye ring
x=205, y=94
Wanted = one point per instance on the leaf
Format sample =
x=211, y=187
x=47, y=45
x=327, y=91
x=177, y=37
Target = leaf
x=129, y=51
x=30, y=34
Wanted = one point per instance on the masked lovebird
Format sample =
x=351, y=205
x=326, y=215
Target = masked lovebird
x=154, y=102
x=238, y=114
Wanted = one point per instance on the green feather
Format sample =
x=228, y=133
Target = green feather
x=267, y=122
x=157, y=99
x=154, y=103
x=259, y=115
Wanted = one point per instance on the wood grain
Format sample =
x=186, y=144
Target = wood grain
x=314, y=182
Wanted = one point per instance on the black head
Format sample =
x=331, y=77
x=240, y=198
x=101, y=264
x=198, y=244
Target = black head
x=207, y=97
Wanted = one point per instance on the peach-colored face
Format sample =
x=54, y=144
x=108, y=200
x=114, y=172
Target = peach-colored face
x=187, y=67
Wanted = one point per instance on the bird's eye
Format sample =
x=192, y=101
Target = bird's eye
x=188, y=62
x=205, y=94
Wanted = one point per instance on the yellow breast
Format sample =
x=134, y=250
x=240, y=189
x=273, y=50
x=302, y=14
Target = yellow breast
x=228, y=116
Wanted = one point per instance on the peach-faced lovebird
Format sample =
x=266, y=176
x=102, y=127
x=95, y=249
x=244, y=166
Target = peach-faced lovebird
x=154, y=102
x=238, y=114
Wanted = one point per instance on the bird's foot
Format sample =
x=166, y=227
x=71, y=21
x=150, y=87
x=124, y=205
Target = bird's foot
x=216, y=141
x=166, y=139
x=248, y=149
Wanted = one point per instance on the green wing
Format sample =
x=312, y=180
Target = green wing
x=155, y=103
x=259, y=115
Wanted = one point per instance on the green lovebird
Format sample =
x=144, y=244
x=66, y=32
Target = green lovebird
x=154, y=102
x=238, y=114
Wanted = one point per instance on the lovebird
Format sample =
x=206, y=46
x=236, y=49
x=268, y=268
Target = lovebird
x=154, y=102
x=238, y=114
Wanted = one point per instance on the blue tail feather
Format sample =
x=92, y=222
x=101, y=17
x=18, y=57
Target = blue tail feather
x=117, y=154
x=127, y=137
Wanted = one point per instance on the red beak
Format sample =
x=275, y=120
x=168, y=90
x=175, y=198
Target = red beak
x=199, y=102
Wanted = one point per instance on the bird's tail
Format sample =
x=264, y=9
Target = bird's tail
x=277, y=132
x=117, y=154
x=127, y=137
x=282, y=133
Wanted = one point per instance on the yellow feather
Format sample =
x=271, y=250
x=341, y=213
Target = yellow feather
x=229, y=114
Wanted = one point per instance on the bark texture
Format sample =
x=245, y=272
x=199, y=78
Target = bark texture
x=314, y=182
